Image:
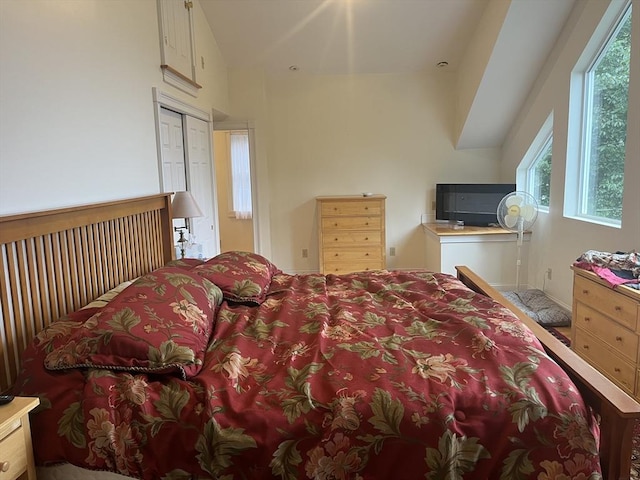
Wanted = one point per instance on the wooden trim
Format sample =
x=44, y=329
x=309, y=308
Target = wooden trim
x=53, y=262
x=618, y=411
x=182, y=77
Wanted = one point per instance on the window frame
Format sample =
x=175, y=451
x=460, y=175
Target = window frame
x=524, y=172
x=581, y=118
x=548, y=143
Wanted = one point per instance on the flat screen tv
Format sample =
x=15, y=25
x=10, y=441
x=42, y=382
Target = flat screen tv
x=473, y=203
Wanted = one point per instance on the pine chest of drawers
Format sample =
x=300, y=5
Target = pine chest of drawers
x=605, y=329
x=16, y=451
x=351, y=233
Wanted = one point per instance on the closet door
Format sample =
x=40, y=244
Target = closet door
x=172, y=148
x=200, y=181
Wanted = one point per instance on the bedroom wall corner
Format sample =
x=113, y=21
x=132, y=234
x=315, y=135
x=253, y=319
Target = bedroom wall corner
x=77, y=118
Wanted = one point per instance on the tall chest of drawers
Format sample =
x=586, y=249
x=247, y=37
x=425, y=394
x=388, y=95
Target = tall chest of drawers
x=605, y=330
x=351, y=233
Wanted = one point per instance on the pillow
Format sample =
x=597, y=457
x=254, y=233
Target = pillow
x=187, y=263
x=160, y=324
x=536, y=305
x=105, y=298
x=243, y=277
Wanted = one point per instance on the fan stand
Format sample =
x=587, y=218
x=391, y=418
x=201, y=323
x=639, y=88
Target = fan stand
x=519, y=247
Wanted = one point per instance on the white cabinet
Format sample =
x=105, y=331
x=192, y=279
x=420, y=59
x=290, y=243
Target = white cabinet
x=177, y=44
x=490, y=252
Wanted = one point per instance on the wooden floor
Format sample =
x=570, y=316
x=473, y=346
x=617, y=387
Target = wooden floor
x=566, y=331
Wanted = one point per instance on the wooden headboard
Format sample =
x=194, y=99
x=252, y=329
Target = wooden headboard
x=54, y=262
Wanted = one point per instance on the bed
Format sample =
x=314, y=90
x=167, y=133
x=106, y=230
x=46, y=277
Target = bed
x=231, y=368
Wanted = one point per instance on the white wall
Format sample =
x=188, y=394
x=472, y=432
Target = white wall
x=76, y=109
x=326, y=135
x=557, y=241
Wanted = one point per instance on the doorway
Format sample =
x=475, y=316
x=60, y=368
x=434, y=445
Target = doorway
x=234, y=189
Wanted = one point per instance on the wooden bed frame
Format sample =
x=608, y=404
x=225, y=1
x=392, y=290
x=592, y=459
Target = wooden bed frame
x=56, y=261
x=618, y=411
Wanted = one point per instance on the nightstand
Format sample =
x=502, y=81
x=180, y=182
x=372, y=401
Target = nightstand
x=16, y=451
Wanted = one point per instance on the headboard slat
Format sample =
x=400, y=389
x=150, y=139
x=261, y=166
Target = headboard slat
x=53, y=262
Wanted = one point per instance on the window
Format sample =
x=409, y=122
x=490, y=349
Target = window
x=604, y=127
x=539, y=174
x=240, y=175
x=533, y=175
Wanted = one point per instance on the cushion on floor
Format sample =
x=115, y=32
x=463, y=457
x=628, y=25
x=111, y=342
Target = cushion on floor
x=535, y=304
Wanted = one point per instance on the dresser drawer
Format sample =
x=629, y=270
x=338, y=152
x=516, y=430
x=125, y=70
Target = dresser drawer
x=348, y=267
x=599, y=355
x=352, y=238
x=624, y=341
x=607, y=301
x=351, y=223
x=355, y=254
x=360, y=207
x=13, y=450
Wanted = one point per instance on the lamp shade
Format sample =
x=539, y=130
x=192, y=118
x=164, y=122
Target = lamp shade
x=184, y=206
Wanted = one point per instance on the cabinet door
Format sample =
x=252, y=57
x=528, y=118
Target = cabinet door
x=177, y=51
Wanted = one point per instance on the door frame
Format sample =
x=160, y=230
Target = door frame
x=250, y=128
x=162, y=99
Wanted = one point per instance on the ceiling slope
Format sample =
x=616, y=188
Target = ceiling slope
x=341, y=37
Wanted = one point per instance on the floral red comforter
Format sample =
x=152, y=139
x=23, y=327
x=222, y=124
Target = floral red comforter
x=378, y=375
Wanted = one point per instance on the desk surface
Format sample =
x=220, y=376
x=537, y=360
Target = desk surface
x=445, y=229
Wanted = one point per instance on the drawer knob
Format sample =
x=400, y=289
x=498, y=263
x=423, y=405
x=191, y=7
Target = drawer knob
x=366, y=254
x=586, y=347
x=335, y=239
x=367, y=223
x=335, y=224
x=4, y=466
x=586, y=292
x=587, y=319
x=366, y=238
x=618, y=308
x=336, y=254
x=617, y=370
x=618, y=339
x=366, y=208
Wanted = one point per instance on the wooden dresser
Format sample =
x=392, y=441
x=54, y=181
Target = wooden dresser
x=351, y=233
x=16, y=451
x=605, y=329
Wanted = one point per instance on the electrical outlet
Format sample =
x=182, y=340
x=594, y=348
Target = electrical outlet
x=305, y=253
x=392, y=252
x=549, y=273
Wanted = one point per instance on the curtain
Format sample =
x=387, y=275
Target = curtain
x=241, y=175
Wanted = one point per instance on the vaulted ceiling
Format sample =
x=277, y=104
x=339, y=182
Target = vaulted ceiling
x=400, y=36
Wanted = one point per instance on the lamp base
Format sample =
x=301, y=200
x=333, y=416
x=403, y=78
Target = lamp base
x=182, y=240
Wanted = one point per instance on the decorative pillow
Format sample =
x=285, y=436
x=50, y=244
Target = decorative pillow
x=161, y=323
x=243, y=277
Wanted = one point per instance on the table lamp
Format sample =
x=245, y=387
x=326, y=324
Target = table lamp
x=184, y=206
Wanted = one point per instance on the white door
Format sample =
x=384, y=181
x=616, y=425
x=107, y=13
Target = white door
x=200, y=182
x=172, y=148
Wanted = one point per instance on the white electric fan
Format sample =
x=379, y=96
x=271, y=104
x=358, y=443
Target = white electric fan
x=517, y=212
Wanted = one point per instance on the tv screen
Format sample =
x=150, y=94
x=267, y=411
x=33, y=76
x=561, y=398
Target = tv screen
x=473, y=203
